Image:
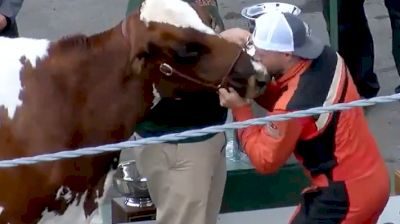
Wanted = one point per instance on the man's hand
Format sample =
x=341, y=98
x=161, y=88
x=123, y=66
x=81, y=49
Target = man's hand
x=236, y=35
x=3, y=22
x=231, y=98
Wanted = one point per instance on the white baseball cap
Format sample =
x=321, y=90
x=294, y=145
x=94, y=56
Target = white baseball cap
x=285, y=32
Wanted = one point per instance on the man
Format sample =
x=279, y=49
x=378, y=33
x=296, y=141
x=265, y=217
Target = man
x=186, y=178
x=8, y=12
x=350, y=183
x=356, y=42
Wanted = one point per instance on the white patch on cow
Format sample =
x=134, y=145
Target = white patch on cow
x=75, y=211
x=1, y=209
x=67, y=196
x=11, y=51
x=74, y=214
x=174, y=12
x=98, y=216
x=260, y=68
x=156, y=95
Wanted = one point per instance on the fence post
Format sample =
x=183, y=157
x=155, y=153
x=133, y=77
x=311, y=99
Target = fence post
x=330, y=12
x=333, y=24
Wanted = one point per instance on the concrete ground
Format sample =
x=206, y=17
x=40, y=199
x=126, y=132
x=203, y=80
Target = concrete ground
x=282, y=215
x=54, y=18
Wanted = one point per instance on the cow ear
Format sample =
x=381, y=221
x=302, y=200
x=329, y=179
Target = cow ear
x=148, y=51
x=137, y=65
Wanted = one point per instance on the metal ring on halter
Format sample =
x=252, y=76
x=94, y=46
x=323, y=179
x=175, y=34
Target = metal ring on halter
x=248, y=43
x=249, y=46
x=166, y=69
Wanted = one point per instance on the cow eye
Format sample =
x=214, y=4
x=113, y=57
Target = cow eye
x=189, y=53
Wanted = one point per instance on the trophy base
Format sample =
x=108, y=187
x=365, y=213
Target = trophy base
x=138, y=203
x=122, y=212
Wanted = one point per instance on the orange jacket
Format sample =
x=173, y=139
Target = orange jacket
x=328, y=144
x=269, y=146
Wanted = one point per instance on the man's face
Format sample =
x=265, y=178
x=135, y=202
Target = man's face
x=273, y=61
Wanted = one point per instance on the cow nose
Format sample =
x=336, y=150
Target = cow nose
x=261, y=84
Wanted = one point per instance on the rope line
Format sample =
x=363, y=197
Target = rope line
x=195, y=133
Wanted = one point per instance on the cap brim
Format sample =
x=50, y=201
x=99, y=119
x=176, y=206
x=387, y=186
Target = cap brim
x=311, y=49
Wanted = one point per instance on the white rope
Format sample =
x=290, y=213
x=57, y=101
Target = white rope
x=195, y=133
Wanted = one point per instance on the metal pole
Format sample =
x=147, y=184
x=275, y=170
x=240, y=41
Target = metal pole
x=333, y=24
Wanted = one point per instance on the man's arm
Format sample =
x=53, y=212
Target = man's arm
x=8, y=11
x=267, y=146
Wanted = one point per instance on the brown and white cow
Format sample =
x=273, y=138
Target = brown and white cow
x=84, y=91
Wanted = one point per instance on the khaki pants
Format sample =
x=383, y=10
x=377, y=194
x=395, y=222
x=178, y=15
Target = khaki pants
x=186, y=181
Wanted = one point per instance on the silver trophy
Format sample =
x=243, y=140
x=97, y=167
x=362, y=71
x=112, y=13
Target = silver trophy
x=132, y=185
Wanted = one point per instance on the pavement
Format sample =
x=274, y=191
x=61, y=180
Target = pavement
x=282, y=215
x=53, y=19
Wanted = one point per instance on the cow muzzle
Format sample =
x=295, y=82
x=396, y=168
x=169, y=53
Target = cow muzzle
x=257, y=82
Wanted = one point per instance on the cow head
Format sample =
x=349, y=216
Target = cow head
x=172, y=41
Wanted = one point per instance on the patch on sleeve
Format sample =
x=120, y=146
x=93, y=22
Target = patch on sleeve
x=272, y=130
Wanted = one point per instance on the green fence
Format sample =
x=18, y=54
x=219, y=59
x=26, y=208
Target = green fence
x=332, y=20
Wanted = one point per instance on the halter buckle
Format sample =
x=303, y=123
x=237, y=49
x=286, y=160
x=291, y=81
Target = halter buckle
x=166, y=69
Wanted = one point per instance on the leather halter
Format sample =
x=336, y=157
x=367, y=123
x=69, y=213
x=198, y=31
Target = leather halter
x=168, y=70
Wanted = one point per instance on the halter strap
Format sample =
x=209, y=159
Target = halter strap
x=168, y=70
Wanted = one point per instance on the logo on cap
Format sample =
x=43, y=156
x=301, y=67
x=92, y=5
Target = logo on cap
x=272, y=130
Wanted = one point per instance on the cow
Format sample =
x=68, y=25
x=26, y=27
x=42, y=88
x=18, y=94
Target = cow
x=90, y=90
